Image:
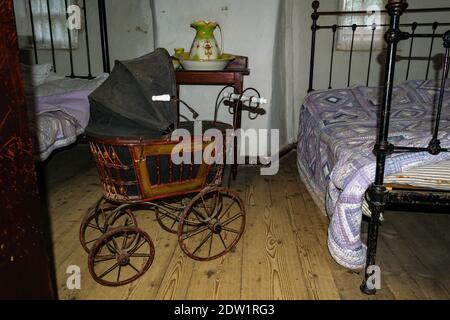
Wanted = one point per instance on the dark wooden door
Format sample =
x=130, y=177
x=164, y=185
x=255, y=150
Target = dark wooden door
x=24, y=258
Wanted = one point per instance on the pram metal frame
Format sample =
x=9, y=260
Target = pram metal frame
x=201, y=210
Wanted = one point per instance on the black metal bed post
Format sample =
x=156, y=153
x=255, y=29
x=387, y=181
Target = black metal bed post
x=376, y=195
x=104, y=36
x=88, y=51
x=434, y=27
x=314, y=28
x=49, y=16
x=413, y=28
x=354, y=26
x=374, y=27
x=33, y=32
x=335, y=27
x=435, y=145
x=69, y=37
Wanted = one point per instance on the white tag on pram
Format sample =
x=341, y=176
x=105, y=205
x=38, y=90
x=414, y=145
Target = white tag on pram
x=164, y=97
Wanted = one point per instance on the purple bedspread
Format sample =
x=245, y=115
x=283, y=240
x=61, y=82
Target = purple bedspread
x=335, y=160
x=58, y=112
x=73, y=103
x=57, y=120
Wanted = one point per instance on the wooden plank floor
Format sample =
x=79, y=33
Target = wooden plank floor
x=283, y=254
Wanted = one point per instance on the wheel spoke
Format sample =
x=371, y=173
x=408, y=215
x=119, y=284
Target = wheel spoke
x=105, y=258
x=210, y=246
x=173, y=224
x=141, y=255
x=164, y=215
x=116, y=246
x=90, y=241
x=101, y=213
x=204, y=206
x=124, y=241
x=193, y=223
x=194, y=233
x=137, y=247
x=230, y=230
x=93, y=226
x=198, y=214
x=135, y=269
x=126, y=222
x=219, y=204
x=109, y=270
x=223, y=241
x=129, y=223
x=227, y=210
x=202, y=243
x=230, y=220
x=118, y=274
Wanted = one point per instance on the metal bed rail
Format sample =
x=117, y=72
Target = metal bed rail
x=103, y=24
x=374, y=27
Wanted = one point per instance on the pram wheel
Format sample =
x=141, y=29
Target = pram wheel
x=211, y=224
x=100, y=219
x=121, y=256
x=168, y=214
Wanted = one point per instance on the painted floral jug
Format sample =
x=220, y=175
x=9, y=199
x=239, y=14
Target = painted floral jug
x=204, y=46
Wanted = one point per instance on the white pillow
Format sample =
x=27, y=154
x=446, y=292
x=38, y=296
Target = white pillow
x=36, y=74
x=63, y=85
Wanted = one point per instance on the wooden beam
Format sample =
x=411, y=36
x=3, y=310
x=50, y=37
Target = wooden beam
x=24, y=259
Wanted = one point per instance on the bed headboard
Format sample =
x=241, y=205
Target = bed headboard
x=98, y=28
x=318, y=28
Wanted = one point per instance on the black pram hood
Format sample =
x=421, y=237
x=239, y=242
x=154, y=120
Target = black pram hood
x=122, y=106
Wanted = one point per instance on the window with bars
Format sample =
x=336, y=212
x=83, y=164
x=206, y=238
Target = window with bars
x=38, y=19
x=368, y=32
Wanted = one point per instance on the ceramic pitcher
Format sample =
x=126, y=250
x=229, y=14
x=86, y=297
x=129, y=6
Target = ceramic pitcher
x=204, y=46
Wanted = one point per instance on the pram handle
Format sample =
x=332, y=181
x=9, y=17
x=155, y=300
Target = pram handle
x=168, y=98
x=244, y=98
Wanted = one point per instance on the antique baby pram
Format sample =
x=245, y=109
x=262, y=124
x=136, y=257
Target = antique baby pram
x=130, y=138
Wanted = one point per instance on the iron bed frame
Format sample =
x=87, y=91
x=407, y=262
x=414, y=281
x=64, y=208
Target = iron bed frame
x=378, y=195
x=315, y=27
x=104, y=42
x=103, y=25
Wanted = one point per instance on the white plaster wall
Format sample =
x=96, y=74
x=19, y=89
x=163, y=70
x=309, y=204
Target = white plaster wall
x=249, y=30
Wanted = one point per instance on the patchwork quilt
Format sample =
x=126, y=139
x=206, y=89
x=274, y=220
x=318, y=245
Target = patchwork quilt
x=337, y=131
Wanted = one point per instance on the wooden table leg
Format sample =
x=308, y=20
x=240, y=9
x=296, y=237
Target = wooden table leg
x=237, y=120
x=178, y=106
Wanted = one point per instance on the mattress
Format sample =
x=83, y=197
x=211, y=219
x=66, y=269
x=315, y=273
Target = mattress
x=337, y=132
x=428, y=177
x=432, y=176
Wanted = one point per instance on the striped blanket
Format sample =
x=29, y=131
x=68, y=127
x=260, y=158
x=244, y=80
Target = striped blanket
x=432, y=176
x=335, y=160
